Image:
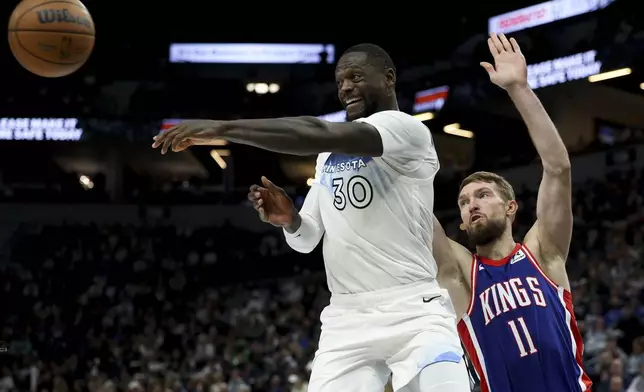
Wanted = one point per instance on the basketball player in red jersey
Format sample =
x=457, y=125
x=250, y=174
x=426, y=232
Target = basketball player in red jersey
x=517, y=322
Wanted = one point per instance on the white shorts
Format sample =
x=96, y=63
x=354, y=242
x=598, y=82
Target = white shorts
x=398, y=330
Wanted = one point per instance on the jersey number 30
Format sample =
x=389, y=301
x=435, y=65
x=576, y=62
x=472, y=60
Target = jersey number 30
x=523, y=351
x=356, y=190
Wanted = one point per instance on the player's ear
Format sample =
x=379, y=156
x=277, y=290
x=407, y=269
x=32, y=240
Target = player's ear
x=390, y=78
x=511, y=208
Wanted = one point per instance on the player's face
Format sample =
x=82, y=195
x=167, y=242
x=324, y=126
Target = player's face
x=484, y=212
x=362, y=88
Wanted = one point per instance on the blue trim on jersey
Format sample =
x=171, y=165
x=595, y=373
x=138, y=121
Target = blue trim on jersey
x=336, y=163
x=339, y=163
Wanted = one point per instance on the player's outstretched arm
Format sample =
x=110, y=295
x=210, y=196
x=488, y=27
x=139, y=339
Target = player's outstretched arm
x=397, y=137
x=454, y=264
x=553, y=229
x=289, y=135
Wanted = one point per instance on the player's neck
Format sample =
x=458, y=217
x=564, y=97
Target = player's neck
x=391, y=103
x=499, y=249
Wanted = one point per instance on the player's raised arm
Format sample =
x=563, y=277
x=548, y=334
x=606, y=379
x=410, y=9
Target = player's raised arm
x=554, y=205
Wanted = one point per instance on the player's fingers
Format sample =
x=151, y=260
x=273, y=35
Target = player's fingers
x=493, y=49
x=487, y=66
x=180, y=142
x=169, y=141
x=158, y=139
x=515, y=45
x=506, y=44
x=183, y=145
x=253, y=193
x=496, y=43
x=268, y=184
x=165, y=139
x=256, y=193
x=262, y=214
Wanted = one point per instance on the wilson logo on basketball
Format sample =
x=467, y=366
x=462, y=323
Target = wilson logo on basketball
x=62, y=16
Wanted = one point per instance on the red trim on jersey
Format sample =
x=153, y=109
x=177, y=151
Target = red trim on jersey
x=574, y=328
x=468, y=343
x=579, y=341
x=474, y=270
x=503, y=261
x=536, y=264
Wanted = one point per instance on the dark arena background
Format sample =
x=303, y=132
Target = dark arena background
x=125, y=270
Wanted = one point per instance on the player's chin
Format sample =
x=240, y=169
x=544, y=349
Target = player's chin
x=478, y=224
x=476, y=229
x=354, y=113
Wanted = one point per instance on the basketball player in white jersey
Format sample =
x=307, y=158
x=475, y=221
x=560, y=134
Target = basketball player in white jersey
x=372, y=200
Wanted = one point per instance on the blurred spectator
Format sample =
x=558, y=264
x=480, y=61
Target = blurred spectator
x=637, y=385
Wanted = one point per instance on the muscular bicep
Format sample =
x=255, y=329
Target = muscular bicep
x=554, y=214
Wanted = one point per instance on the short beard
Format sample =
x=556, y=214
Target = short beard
x=369, y=109
x=485, y=234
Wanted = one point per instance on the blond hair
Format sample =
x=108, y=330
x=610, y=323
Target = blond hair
x=505, y=189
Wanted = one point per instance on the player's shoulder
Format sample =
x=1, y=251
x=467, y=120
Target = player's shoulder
x=395, y=116
x=321, y=159
x=397, y=122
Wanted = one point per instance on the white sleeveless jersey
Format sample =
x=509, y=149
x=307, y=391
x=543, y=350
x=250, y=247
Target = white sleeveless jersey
x=377, y=212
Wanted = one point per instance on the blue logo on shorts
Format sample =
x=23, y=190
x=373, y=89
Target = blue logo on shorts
x=449, y=356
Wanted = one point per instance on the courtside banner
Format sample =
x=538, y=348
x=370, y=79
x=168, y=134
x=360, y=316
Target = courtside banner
x=252, y=53
x=542, y=14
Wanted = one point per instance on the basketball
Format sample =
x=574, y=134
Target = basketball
x=51, y=38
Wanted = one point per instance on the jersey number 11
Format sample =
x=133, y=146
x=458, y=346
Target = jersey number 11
x=526, y=334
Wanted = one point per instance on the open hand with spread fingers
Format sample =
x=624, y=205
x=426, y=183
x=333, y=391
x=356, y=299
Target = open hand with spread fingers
x=272, y=203
x=188, y=133
x=509, y=69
